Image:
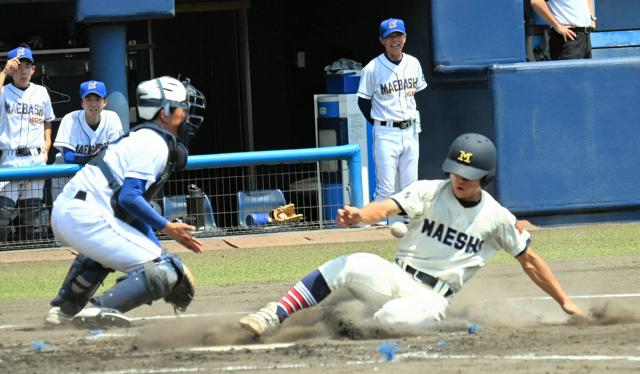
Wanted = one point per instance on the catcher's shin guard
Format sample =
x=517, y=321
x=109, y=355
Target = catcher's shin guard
x=154, y=281
x=82, y=280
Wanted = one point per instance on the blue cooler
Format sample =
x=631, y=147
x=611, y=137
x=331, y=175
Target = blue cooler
x=344, y=83
x=328, y=107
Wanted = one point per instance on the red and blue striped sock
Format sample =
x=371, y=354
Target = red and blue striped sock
x=308, y=292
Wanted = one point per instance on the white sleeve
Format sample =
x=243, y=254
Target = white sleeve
x=509, y=237
x=422, y=83
x=367, y=81
x=147, y=156
x=64, y=133
x=115, y=127
x=412, y=199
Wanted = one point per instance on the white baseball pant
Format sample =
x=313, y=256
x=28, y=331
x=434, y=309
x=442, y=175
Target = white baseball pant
x=395, y=156
x=93, y=231
x=407, y=303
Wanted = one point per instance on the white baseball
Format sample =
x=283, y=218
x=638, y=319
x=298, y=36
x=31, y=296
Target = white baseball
x=398, y=229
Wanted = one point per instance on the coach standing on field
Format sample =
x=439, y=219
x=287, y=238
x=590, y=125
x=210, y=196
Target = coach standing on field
x=25, y=140
x=386, y=98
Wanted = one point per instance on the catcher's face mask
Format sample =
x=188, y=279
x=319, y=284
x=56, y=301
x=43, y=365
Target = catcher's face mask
x=194, y=107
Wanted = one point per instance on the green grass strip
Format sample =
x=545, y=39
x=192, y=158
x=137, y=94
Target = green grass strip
x=37, y=280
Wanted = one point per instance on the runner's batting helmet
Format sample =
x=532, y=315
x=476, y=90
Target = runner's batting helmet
x=472, y=156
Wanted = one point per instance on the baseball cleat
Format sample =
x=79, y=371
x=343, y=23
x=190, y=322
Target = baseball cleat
x=263, y=322
x=99, y=317
x=56, y=317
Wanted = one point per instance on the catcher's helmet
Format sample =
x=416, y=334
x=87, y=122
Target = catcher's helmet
x=168, y=93
x=472, y=156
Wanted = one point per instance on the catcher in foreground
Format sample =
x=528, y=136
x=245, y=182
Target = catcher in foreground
x=455, y=228
x=104, y=213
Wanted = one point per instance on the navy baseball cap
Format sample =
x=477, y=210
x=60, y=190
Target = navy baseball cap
x=21, y=52
x=92, y=87
x=391, y=25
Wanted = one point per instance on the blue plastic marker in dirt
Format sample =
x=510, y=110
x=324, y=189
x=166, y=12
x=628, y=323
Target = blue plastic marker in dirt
x=388, y=350
x=96, y=332
x=473, y=329
x=39, y=346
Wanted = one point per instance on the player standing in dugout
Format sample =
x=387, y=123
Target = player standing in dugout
x=25, y=139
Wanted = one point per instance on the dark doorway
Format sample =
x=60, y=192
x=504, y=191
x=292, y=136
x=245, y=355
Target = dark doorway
x=204, y=47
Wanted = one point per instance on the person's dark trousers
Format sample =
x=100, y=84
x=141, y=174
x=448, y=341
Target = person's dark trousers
x=580, y=47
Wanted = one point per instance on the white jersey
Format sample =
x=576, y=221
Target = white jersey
x=452, y=242
x=571, y=12
x=142, y=155
x=76, y=134
x=391, y=88
x=22, y=116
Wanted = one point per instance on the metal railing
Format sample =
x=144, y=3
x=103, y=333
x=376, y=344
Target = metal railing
x=220, y=194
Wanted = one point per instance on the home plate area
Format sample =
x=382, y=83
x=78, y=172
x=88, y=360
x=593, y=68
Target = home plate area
x=500, y=322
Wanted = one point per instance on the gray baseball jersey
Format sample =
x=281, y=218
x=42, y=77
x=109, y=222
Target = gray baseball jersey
x=452, y=242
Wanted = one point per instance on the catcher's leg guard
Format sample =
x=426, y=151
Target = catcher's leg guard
x=7, y=214
x=154, y=281
x=82, y=280
x=32, y=219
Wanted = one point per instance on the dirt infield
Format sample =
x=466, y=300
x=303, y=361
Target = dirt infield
x=518, y=330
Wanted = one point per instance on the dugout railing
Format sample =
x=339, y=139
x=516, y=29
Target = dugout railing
x=220, y=194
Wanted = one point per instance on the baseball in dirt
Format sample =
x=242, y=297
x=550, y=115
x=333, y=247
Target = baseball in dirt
x=398, y=229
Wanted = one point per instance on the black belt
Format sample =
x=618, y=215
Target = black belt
x=81, y=195
x=585, y=30
x=401, y=125
x=426, y=279
x=26, y=151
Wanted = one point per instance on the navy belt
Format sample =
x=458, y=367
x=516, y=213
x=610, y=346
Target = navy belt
x=401, y=125
x=27, y=151
x=426, y=279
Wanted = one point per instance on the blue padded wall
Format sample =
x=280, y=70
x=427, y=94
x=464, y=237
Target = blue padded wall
x=618, y=14
x=472, y=32
x=90, y=11
x=567, y=134
x=451, y=108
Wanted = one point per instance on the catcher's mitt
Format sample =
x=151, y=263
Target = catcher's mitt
x=182, y=293
x=285, y=214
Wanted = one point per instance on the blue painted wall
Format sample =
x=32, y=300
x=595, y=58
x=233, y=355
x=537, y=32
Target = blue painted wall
x=477, y=31
x=618, y=14
x=567, y=134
